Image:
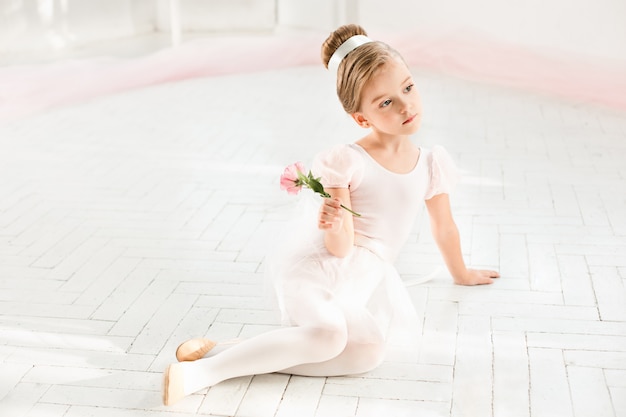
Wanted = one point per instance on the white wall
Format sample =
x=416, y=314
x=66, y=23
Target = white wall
x=586, y=28
x=219, y=15
x=595, y=28
x=59, y=23
x=32, y=26
x=316, y=14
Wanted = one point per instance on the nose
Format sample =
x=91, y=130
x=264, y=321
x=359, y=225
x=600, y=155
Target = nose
x=404, y=106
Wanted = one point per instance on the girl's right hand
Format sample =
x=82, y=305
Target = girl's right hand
x=330, y=217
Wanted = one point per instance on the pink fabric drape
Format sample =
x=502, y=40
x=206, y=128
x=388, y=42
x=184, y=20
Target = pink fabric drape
x=28, y=89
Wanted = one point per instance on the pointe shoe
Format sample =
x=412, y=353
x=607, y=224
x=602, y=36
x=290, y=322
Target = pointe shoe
x=173, y=384
x=194, y=349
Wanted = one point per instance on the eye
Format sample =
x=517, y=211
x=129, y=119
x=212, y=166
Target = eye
x=408, y=88
x=385, y=103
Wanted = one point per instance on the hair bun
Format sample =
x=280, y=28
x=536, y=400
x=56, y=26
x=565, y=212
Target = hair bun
x=337, y=37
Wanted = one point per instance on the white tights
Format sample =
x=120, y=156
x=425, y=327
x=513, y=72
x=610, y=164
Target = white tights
x=319, y=346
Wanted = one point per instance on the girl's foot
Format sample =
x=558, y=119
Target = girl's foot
x=194, y=349
x=173, y=384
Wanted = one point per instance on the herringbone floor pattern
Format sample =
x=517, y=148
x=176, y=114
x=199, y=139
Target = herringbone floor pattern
x=131, y=222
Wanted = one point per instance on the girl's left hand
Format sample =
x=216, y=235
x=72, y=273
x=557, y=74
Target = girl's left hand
x=330, y=217
x=477, y=277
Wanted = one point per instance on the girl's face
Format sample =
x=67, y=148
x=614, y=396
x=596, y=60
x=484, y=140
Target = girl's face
x=390, y=103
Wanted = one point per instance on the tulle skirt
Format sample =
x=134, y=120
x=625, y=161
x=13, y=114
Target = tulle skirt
x=372, y=299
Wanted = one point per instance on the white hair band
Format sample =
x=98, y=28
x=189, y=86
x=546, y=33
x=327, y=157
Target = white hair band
x=344, y=49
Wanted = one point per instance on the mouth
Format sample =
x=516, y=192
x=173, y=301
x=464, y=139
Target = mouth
x=409, y=120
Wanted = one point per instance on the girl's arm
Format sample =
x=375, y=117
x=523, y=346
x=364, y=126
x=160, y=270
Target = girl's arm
x=448, y=240
x=337, y=222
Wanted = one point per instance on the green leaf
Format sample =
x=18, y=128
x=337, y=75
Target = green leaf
x=317, y=186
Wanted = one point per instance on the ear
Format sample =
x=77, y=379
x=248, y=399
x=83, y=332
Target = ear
x=360, y=119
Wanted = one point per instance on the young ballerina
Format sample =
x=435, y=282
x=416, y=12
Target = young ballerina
x=341, y=294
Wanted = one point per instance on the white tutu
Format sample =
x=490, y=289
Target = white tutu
x=373, y=299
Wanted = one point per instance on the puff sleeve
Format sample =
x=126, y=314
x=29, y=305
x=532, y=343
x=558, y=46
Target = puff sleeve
x=444, y=174
x=340, y=167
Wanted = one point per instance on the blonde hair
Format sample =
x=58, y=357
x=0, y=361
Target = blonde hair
x=358, y=67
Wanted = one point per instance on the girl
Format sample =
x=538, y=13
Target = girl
x=341, y=294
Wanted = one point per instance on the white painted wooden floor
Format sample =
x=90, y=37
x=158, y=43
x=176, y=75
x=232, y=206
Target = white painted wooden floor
x=131, y=222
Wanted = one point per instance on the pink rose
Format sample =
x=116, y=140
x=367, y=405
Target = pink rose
x=294, y=178
x=290, y=181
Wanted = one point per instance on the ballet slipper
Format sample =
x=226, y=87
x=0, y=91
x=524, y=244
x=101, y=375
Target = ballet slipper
x=194, y=349
x=173, y=384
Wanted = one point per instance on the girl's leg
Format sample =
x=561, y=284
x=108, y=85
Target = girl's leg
x=356, y=358
x=321, y=338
